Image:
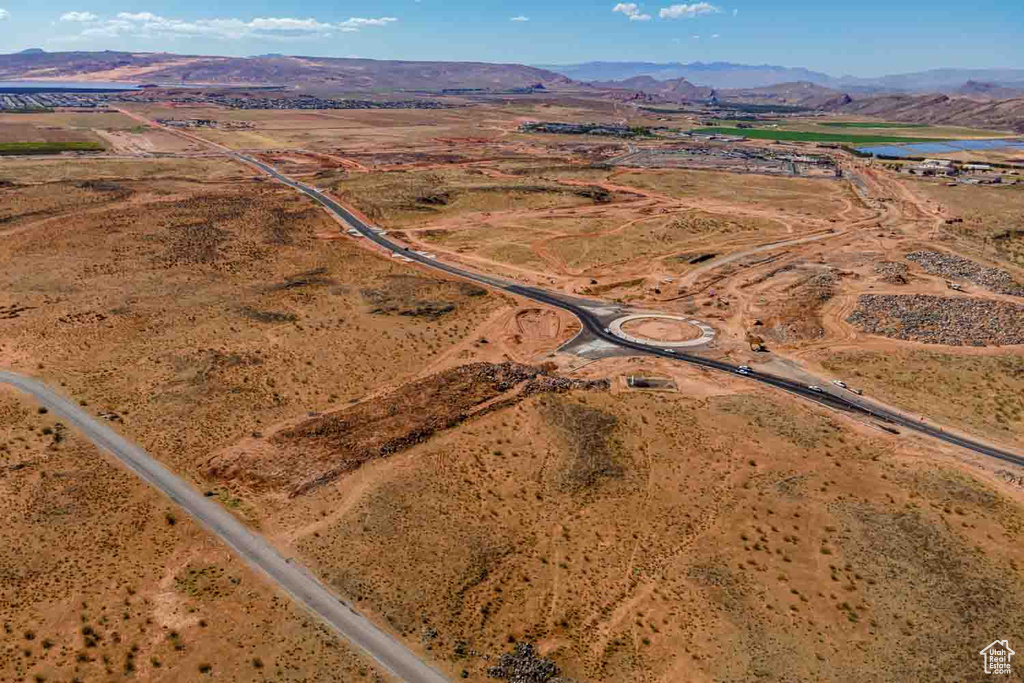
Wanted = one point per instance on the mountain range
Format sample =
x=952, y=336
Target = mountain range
x=730, y=75
x=693, y=80
x=975, y=105
x=714, y=75
x=312, y=72
x=976, y=97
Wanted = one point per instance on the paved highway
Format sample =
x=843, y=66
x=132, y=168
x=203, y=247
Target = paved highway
x=593, y=324
x=255, y=550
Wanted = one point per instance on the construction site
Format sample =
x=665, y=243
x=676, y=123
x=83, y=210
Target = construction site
x=733, y=159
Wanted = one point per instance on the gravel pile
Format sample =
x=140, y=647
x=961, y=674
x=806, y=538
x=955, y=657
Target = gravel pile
x=892, y=272
x=957, y=321
x=824, y=285
x=523, y=665
x=947, y=265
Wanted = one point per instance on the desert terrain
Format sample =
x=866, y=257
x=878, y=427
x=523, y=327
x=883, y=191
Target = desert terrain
x=464, y=464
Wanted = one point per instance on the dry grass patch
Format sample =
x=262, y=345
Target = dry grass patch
x=408, y=198
x=993, y=223
x=103, y=579
x=656, y=237
x=814, y=198
x=26, y=172
x=981, y=393
x=223, y=309
x=744, y=523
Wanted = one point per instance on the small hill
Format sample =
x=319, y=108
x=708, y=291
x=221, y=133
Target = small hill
x=674, y=90
x=798, y=93
x=712, y=75
x=990, y=91
x=939, y=109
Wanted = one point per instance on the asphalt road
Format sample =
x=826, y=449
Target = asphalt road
x=596, y=328
x=255, y=550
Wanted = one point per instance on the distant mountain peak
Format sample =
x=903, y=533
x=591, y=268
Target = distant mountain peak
x=700, y=74
x=33, y=51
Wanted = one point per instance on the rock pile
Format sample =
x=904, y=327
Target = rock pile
x=957, y=267
x=823, y=285
x=523, y=665
x=957, y=321
x=339, y=442
x=892, y=273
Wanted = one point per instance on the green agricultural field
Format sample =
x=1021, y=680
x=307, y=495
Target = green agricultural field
x=10, y=148
x=806, y=136
x=870, y=124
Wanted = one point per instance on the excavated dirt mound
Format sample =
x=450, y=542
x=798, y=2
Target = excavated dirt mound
x=319, y=450
x=537, y=324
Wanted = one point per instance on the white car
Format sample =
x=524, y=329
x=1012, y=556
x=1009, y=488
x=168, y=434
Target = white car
x=670, y=350
x=817, y=389
x=839, y=383
x=744, y=370
x=607, y=330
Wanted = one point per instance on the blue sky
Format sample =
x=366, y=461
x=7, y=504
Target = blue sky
x=863, y=38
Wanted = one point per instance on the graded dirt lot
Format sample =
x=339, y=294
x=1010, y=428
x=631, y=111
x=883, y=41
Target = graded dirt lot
x=96, y=129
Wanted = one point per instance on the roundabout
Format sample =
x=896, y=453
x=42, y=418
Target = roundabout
x=666, y=331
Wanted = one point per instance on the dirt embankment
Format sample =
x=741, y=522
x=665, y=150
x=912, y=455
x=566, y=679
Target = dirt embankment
x=319, y=450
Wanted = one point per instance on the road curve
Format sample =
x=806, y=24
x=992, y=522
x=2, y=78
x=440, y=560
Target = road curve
x=253, y=548
x=597, y=329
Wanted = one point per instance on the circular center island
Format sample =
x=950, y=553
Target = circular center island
x=667, y=331
x=662, y=329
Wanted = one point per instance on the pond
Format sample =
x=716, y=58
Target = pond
x=944, y=147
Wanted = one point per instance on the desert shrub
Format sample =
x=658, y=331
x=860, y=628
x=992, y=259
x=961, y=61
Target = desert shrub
x=586, y=433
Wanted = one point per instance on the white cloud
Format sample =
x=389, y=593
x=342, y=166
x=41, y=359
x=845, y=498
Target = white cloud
x=78, y=16
x=357, y=22
x=697, y=37
x=4, y=14
x=520, y=18
x=149, y=25
x=631, y=10
x=688, y=11
x=141, y=16
x=714, y=35
x=735, y=12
